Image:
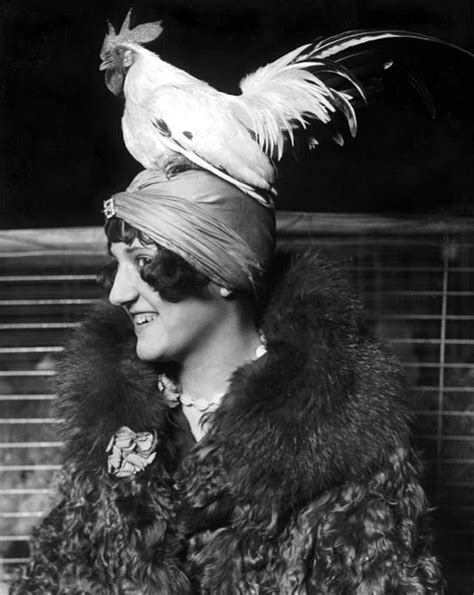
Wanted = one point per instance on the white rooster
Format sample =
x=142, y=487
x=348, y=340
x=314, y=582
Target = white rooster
x=173, y=120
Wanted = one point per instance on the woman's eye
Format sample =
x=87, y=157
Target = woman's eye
x=142, y=261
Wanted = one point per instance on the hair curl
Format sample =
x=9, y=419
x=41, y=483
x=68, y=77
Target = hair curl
x=168, y=273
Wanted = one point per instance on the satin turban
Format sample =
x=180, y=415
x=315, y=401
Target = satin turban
x=218, y=229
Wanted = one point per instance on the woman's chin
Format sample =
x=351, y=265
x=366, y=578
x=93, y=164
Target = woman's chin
x=147, y=352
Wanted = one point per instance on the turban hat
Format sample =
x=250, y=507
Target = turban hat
x=214, y=226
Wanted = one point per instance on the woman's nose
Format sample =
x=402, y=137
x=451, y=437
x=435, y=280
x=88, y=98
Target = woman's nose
x=124, y=287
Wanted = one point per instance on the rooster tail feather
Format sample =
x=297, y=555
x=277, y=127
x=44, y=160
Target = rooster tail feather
x=418, y=84
x=305, y=85
x=285, y=95
x=343, y=104
x=338, y=44
x=342, y=72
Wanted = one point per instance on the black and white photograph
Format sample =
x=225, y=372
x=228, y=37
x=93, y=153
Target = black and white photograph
x=237, y=297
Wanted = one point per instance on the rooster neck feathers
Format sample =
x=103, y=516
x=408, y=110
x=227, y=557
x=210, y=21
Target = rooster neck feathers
x=148, y=72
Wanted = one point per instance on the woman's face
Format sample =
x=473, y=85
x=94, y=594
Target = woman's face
x=166, y=331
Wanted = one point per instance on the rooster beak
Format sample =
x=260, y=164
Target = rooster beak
x=104, y=65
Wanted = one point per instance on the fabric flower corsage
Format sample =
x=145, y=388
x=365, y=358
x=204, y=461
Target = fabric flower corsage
x=130, y=452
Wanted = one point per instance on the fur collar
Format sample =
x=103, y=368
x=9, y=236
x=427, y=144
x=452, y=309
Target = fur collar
x=323, y=406
x=326, y=404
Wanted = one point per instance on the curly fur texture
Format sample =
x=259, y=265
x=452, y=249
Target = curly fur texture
x=312, y=446
x=108, y=535
x=305, y=483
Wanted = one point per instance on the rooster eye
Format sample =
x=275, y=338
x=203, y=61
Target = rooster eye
x=118, y=51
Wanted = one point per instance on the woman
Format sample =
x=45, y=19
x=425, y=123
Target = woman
x=230, y=424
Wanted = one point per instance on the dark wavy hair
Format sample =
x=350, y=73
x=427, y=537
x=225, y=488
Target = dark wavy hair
x=168, y=273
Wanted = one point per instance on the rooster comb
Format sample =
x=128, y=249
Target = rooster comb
x=140, y=34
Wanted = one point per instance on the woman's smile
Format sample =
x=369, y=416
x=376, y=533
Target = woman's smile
x=143, y=318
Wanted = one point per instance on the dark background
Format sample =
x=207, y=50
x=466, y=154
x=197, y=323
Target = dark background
x=62, y=151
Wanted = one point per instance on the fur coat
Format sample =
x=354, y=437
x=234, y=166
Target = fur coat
x=305, y=482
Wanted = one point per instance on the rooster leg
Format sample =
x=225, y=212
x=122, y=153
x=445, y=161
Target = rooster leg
x=177, y=163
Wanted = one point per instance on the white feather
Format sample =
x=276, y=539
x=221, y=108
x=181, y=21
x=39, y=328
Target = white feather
x=288, y=92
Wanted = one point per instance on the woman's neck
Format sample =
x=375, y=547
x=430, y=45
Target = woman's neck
x=206, y=374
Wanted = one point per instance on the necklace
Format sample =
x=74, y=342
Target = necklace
x=174, y=395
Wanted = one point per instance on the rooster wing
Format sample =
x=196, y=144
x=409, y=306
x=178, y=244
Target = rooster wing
x=199, y=123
